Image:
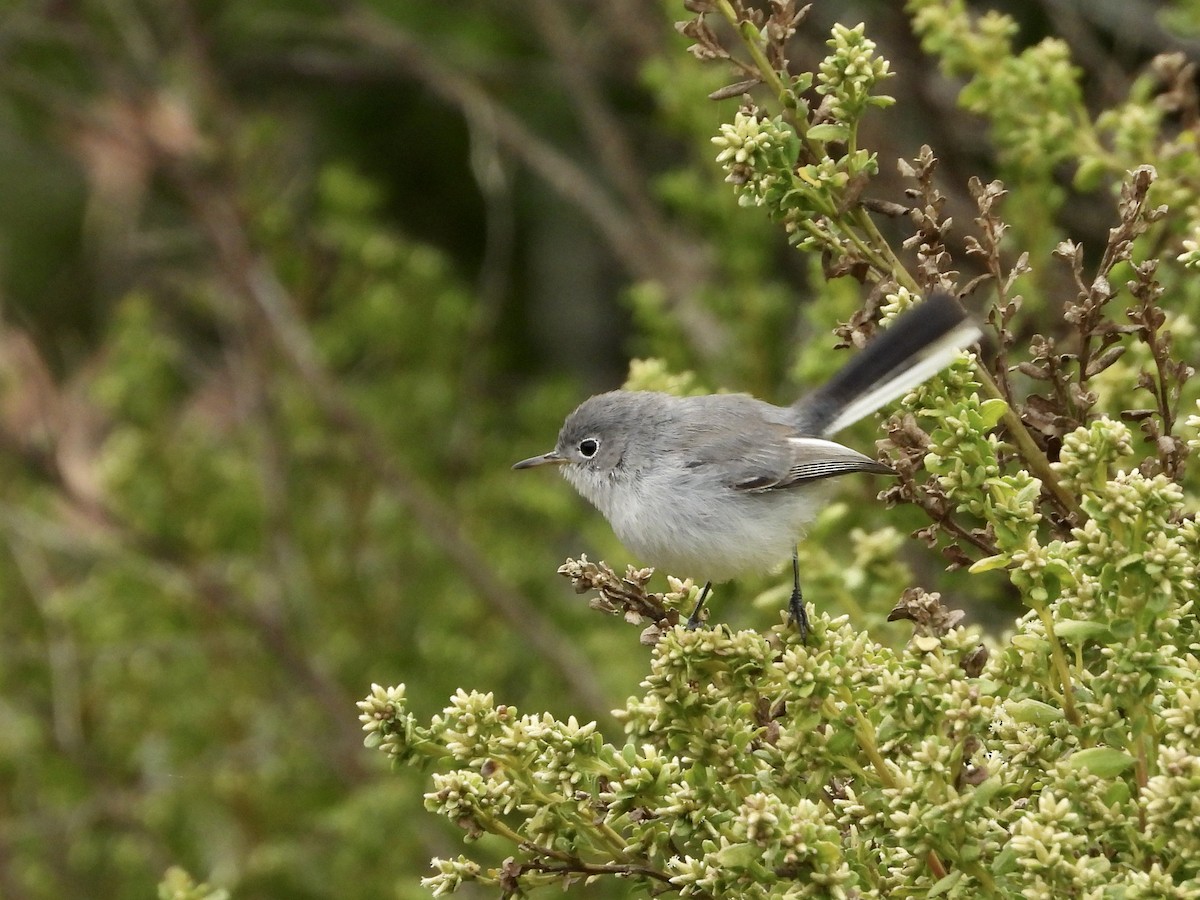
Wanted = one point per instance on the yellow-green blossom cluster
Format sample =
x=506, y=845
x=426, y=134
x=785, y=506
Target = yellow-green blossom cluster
x=177, y=884
x=1090, y=452
x=760, y=154
x=1181, y=710
x=655, y=375
x=768, y=838
x=1032, y=98
x=1172, y=805
x=450, y=874
x=849, y=75
x=962, y=42
x=756, y=153
x=1049, y=843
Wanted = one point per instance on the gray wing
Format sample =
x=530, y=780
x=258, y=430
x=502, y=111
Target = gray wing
x=799, y=460
x=751, y=453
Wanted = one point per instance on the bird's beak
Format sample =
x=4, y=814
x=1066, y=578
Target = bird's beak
x=542, y=460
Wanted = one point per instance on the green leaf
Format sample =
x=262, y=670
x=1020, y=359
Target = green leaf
x=985, y=792
x=828, y=132
x=1034, y=712
x=791, y=147
x=988, y=563
x=1129, y=559
x=1005, y=861
x=992, y=411
x=945, y=884
x=1030, y=643
x=1118, y=792
x=802, y=82
x=1123, y=629
x=738, y=856
x=1076, y=631
x=1105, y=762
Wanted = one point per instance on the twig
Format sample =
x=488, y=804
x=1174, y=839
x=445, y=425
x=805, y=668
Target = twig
x=585, y=868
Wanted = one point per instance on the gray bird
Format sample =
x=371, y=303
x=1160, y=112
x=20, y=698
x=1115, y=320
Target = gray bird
x=724, y=485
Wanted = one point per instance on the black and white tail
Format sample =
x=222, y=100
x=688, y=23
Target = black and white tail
x=918, y=344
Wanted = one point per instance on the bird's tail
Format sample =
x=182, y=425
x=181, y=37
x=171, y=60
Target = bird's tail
x=918, y=344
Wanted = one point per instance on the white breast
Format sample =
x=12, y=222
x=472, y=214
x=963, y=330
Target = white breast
x=686, y=525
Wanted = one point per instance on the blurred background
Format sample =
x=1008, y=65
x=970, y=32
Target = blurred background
x=285, y=289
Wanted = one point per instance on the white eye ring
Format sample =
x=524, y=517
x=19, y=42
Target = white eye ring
x=589, y=447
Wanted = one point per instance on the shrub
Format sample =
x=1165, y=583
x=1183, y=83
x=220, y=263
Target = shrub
x=1058, y=760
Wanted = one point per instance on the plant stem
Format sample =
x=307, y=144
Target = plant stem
x=751, y=39
x=584, y=868
x=1060, y=662
x=1029, y=450
x=864, y=730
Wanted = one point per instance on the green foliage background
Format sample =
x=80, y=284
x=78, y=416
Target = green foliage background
x=288, y=286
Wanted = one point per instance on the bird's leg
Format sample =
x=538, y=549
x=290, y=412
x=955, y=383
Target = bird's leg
x=796, y=612
x=693, y=621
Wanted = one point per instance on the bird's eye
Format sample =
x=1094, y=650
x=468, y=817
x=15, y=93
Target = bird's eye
x=588, y=447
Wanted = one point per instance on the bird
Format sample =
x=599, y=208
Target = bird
x=724, y=485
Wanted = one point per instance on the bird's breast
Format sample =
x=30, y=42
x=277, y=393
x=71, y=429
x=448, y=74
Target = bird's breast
x=686, y=525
